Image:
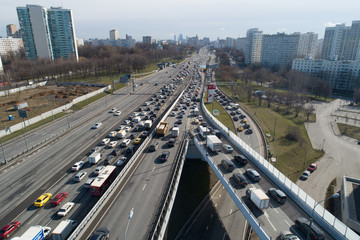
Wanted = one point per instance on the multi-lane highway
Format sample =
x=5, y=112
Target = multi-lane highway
x=47, y=169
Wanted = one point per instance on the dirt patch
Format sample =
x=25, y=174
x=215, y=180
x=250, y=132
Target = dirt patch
x=39, y=100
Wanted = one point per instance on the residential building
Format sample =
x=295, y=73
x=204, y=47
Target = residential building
x=47, y=33
x=1, y=67
x=206, y=41
x=147, y=39
x=342, y=42
x=279, y=50
x=114, y=35
x=10, y=44
x=307, y=45
x=193, y=41
x=251, y=45
x=12, y=31
x=229, y=42
x=342, y=75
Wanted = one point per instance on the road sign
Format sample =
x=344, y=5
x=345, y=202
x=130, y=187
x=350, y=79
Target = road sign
x=23, y=113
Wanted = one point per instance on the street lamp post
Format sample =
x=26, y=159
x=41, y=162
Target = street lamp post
x=131, y=213
x=312, y=213
x=274, y=129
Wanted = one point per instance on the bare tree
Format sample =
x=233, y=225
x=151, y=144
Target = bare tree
x=309, y=109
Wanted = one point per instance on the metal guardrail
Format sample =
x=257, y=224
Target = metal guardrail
x=232, y=192
x=110, y=190
x=325, y=219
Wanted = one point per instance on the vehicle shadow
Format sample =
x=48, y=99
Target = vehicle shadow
x=255, y=211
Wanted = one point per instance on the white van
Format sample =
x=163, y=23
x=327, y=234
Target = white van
x=137, y=119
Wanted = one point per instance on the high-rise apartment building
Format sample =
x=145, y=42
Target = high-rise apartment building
x=1, y=67
x=114, y=35
x=47, y=33
x=251, y=45
x=12, y=31
x=229, y=42
x=279, y=49
x=147, y=39
x=342, y=42
x=307, y=45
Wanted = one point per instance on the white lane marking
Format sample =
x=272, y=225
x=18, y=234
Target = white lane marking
x=66, y=186
x=153, y=169
x=287, y=223
x=207, y=227
x=33, y=219
x=144, y=187
x=220, y=196
x=273, y=208
x=267, y=217
x=211, y=216
x=48, y=222
x=230, y=211
x=215, y=204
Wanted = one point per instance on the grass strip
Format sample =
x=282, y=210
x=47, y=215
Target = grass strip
x=349, y=130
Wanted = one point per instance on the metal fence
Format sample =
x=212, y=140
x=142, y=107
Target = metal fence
x=324, y=218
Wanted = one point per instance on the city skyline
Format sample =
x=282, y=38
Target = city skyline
x=201, y=18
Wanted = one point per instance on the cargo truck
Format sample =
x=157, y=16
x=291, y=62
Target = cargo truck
x=175, y=132
x=148, y=124
x=204, y=131
x=196, y=112
x=258, y=197
x=35, y=233
x=94, y=158
x=162, y=128
x=121, y=134
x=213, y=143
x=63, y=230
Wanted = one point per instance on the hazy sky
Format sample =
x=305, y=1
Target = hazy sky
x=225, y=18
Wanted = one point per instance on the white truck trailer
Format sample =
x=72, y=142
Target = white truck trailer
x=35, y=233
x=204, y=131
x=213, y=143
x=258, y=197
x=94, y=158
x=148, y=124
x=64, y=229
x=175, y=132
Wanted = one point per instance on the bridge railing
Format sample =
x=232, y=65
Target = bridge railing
x=324, y=218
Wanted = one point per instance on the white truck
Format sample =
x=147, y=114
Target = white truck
x=148, y=124
x=64, y=229
x=175, y=132
x=94, y=158
x=121, y=133
x=213, y=143
x=258, y=197
x=196, y=112
x=35, y=233
x=204, y=131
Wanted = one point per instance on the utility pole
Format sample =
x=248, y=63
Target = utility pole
x=274, y=129
x=2, y=147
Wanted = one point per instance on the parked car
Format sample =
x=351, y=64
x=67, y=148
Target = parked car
x=100, y=234
x=241, y=159
x=253, y=175
x=304, y=176
x=8, y=229
x=58, y=198
x=228, y=165
x=277, y=194
x=303, y=225
x=65, y=209
x=77, y=166
x=42, y=200
x=240, y=179
x=312, y=167
x=97, y=125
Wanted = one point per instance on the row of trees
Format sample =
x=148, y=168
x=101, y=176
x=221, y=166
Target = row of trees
x=93, y=60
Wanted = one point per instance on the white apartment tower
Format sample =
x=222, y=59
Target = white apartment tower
x=307, y=45
x=114, y=35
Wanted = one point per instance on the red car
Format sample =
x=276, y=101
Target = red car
x=9, y=229
x=58, y=198
x=312, y=167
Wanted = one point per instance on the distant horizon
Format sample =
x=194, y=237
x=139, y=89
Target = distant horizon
x=162, y=19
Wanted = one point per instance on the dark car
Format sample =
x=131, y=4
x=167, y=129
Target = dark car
x=116, y=151
x=303, y=225
x=164, y=156
x=249, y=131
x=109, y=160
x=204, y=124
x=228, y=165
x=277, y=194
x=154, y=146
x=232, y=113
x=246, y=125
x=171, y=142
x=130, y=150
x=100, y=234
x=253, y=174
x=235, y=118
x=179, y=121
x=8, y=229
x=241, y=159
x=144, y=134
x=240, y=179
x=58, y=198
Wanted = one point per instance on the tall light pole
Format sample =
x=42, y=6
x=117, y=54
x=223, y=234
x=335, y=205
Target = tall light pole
x=274, y=129
x=131, y=213
x=312, y=213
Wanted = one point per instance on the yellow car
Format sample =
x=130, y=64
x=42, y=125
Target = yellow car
x=240, y=128
x=42, y=200
x=137, y=140
x=196, y=121
x=244, y=120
